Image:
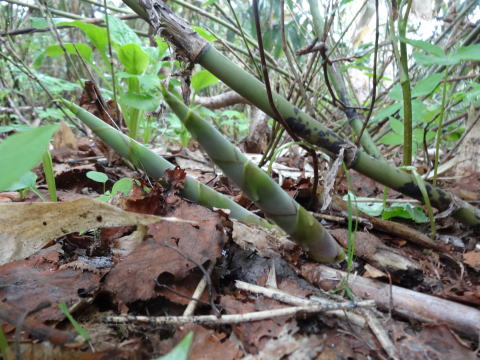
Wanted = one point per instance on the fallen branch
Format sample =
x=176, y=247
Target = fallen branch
x=236, y=318
x=298, y=301
x=408, y=303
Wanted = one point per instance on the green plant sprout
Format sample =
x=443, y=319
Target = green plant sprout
x=181, y=350
x=49, y=176
x=3, y=343
x=123, y=185
x=25, y=184
x=78, y=328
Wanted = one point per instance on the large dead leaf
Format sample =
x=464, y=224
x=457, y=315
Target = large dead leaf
x=27, y=227
x=169, y=256
x=25, y=284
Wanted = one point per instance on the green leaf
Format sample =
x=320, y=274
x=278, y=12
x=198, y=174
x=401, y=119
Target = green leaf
x=405, y=211
x=424, y=45
x=133, y=58
x=388, y=111
x=97, y=176
x=423, y=59
x=396, y=93
x=181, y=351
x=121, y=33
x=56, y=85
x=21, y=152
x=148, y=82
x=139, y=101
x=396, y=125
x=8, y=128
x=427, y=85
x=123, y=185
x=207, y=35
x=27, y=181
x=468, y=53
x=203, y=79
x=97, y=35
x=85, y=51
x=392, y=139
x=372, y=208
x=80, y=330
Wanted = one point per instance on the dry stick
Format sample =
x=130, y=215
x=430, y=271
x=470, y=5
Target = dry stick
x=379, y=331
x=408, y=303
x=298, y=301
x=202, y=269
x=237, y=318
x=198, y=291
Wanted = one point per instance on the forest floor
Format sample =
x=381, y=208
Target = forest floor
x=426, y=294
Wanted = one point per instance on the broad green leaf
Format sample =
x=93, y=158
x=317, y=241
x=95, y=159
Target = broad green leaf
x=85, y=51
x=423, y=59
x=97, y=176
x=147, y=81
x=396, y=125
x=372, y=208
x=41, y=23
x=8, y=128
x=392, y=139
x=56, y=85
x=427, y=85
x=424, y=45
x=144, y=102
x=388, y=111
x=121, y=33
x=181, y=351
x=28, y=180
x=204, y=33
x=396, y=93
x=468, y=53
x=203, y=79
x=405, y=211
x=21, y=152
x=457, y=134
x=133, y=58
x=97, y=35
x=123, y=185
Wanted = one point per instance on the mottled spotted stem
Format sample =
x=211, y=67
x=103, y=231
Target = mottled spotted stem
x=200, y=51
x=258, y=186
x=155, y=167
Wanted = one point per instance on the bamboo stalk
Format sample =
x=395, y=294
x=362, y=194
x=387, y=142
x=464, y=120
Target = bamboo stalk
x=198, y=50
x=155, y=166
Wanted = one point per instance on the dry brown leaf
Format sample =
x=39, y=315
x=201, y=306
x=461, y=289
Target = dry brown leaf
x=373, y=272
x=472, y=259
x=27, y=227
x=64, y=137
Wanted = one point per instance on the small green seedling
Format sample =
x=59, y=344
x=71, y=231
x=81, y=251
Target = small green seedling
x=123, y=185
x=78, y=328
x=181, y=351
x=25, y=184
x=3, y=343
x=98, y=177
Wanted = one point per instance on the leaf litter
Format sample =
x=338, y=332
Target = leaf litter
x=140, y=268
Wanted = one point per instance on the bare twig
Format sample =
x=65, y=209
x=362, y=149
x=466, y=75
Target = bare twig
x=190, y=310
x=236, y=318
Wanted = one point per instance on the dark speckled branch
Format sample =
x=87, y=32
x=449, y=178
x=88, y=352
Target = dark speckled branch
x=302, y=124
